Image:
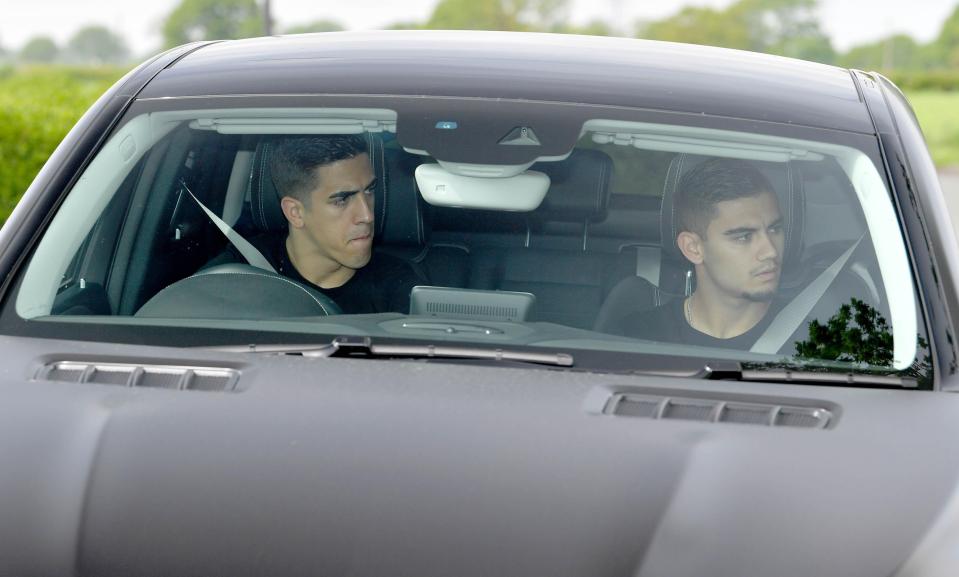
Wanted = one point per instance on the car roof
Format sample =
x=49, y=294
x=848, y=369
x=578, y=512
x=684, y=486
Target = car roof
x=525, y=66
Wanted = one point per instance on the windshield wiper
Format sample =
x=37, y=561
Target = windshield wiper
x=364, y=347
x=735, y=372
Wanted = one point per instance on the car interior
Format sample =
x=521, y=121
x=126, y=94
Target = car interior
x=596, y=248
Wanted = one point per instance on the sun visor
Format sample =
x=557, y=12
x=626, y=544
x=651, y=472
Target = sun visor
x=522, y=191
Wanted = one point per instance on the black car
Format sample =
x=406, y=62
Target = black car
x=435, y=303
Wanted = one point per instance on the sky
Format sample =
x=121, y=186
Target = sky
x=848, y=22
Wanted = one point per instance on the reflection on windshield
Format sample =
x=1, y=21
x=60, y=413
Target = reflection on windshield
x=859, y=334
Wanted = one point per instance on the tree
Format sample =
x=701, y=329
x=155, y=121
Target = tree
x=39, y=49
x=945, y=47
x=315, y=26
x=96, y=44
x=591, y=28
x=405, y=25
x=540, y=15
x=898, y=52
x=784, y=27
x=195, y=20
x=857, y=333
x=695, y=25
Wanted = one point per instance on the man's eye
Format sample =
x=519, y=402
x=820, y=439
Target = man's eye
x=339, y=201
x=776, y=229
x=744, y=238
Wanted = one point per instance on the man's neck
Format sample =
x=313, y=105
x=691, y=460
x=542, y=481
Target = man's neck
x=722, y=317
x=316, y=267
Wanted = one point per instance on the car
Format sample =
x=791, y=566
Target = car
x=646, y=309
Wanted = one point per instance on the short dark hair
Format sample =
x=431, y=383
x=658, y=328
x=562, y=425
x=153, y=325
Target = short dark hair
x=295, y=160
x=711, y=182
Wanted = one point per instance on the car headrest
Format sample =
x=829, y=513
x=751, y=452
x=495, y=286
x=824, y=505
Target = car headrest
x=405, y=222
x=579, y=187
x=784, y=177
x=266, y=214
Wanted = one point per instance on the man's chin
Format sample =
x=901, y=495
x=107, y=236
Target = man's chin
x=760, y=296
x=359, y=261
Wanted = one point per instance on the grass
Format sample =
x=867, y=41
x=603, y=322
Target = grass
x=938, y=114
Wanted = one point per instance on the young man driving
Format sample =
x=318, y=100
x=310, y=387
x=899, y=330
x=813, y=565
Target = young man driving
x=325, y=185
x=731, y=231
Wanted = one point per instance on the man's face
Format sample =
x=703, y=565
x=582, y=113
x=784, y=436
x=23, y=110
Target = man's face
x=743, y=246
x=339, y=219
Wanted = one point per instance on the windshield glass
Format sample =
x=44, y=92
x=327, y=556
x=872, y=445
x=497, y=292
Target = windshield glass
x=607, y=230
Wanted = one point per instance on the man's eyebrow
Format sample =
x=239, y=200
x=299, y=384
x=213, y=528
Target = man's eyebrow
x=740, y=230
x=748, y=229
x=348, y=193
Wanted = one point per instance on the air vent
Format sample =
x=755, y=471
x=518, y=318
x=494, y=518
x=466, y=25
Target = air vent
x=718, y=411
x=485, y=311
x=137, y=375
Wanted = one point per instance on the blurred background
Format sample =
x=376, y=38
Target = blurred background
x=58, y=56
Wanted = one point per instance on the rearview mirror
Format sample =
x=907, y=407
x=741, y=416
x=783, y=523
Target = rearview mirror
x=521, y=192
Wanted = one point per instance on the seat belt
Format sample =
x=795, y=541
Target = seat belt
x=243, y=246
x=794, y=313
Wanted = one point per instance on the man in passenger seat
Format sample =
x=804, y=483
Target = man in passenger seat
x=325, y=187
x=731, y=231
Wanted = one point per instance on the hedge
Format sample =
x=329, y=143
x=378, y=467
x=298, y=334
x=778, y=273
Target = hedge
x=916, y=81
x=38, y=106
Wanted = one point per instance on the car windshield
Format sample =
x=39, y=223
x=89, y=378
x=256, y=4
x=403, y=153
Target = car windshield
x=494, y=224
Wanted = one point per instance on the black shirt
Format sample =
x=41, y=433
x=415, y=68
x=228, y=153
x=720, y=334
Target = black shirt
x=667, y=323
x=383, y=285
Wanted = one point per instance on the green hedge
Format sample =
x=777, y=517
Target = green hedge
x=934, y=80
x=38, y=106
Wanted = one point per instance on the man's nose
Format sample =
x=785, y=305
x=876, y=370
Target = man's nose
x=767, y=249
x=363, y=209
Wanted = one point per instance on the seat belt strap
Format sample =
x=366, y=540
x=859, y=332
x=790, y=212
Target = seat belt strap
x=794, y=313
x=243, y=246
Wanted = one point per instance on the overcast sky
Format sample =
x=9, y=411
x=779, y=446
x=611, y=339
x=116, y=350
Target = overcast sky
x=848, y=22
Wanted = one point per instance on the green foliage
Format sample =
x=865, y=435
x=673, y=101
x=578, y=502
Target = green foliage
x=895, y=52
x=857, y=333
x=939, y=80
x=784, y=27
x=517, y=15
x=38, y=106
x=194, y=20
x=97, y=45
x=915, y=66
x=698, y=25
x=40, y=49
x=946, y=45
x=315, y=26
x=473, y=15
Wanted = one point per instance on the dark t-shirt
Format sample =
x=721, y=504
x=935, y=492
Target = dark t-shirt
x=383, y=285
x=668, y=324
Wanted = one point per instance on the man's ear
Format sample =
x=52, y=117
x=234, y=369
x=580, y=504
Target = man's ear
x=691, y=245
x=292, y=210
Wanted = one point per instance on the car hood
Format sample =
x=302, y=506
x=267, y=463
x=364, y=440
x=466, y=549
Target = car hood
x=363, y=467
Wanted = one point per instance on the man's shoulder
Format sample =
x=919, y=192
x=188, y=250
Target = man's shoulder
x=655, y=324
